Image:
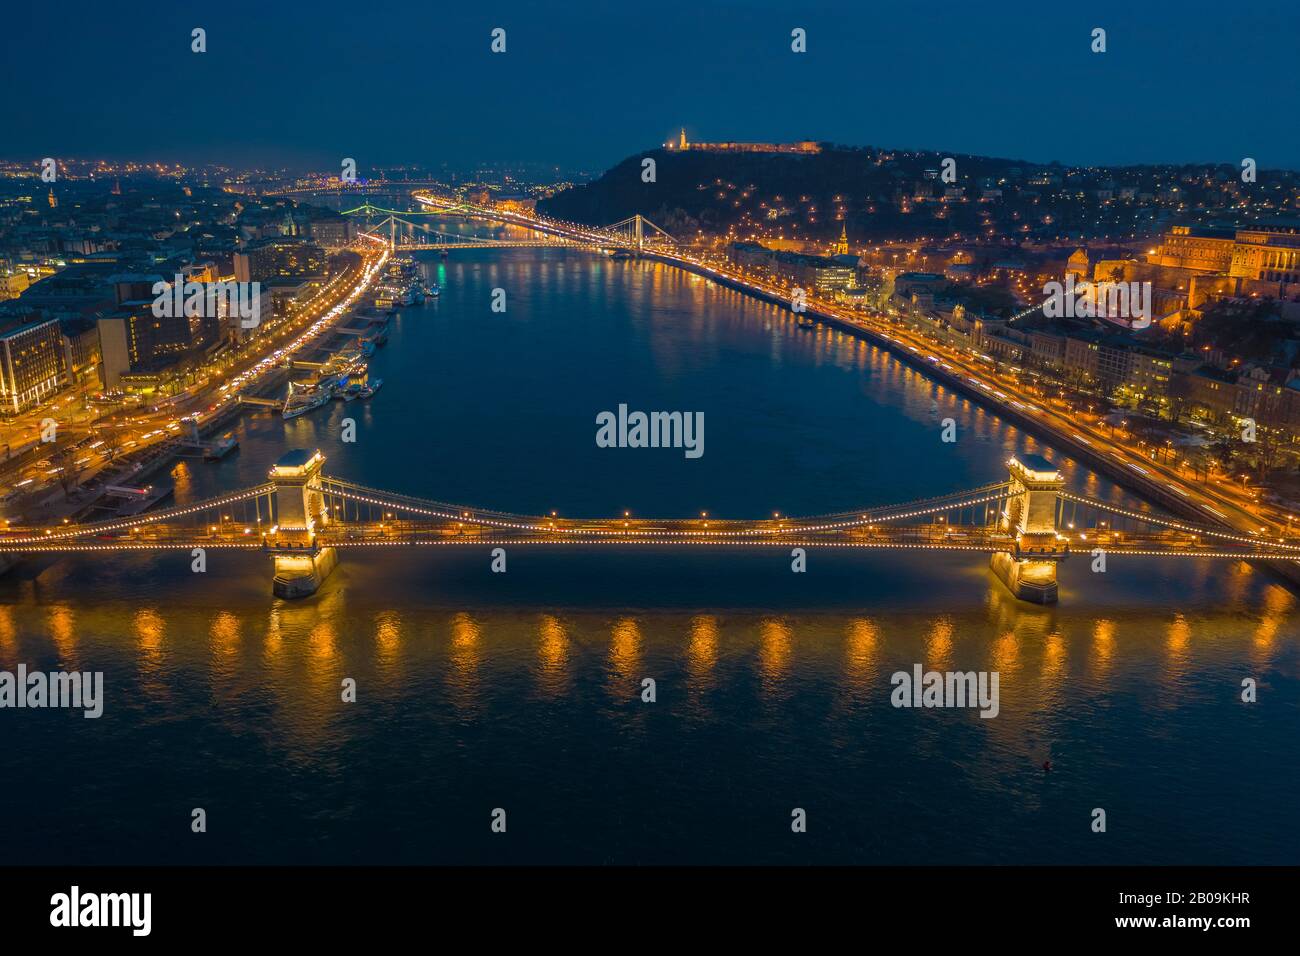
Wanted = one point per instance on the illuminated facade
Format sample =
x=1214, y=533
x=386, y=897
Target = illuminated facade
x=134, y=340
x=11, y=287
x=1194, y=247
x=1029, y=570
x=841, y=248
x=276, y=257
x=819, y=273
x=334, y=232
x=681, y=146
x=31, y=363
x=1267, y=254
x=301, y=564
x=517, y=203
x=1077, y=265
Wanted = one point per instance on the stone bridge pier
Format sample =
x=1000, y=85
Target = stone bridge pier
x=1029, y=569
x=301, y=563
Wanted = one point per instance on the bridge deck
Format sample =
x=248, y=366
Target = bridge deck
x=932, y=537
x=354, y=516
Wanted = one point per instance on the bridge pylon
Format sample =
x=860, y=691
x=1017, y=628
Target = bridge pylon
x=1029, y=569
x=301, y=563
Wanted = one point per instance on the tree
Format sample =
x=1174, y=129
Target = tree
x=65, y=460
x=1225, y=453
x=112, y=438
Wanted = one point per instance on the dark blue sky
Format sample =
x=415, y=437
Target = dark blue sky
x=585, y=84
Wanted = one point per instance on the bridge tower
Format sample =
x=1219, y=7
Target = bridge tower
x=301, y=564
x=640, y=234
x=1029, y=569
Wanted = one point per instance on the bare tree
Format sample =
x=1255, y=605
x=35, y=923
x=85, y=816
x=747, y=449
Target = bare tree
x=65, y=459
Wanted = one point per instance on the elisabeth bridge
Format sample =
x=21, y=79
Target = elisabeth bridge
x=303, y=518
x=634, y=234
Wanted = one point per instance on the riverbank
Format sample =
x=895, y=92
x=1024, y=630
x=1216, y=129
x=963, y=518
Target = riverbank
x=1069, y=444
x=257, y=375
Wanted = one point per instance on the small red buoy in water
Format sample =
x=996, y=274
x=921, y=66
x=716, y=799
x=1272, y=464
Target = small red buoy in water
x=1047, y=765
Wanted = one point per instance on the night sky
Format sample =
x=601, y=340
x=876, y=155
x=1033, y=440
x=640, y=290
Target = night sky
x=585, y=84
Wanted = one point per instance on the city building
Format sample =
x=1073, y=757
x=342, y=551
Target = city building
x=1264, y=255
x=1267, y=254
x=81, y=355
x=1206, y=393
x=820, y=274
x=1077, y=265
x=287, y=295
x=908, y=283
x=277, y=256
x=841, y=247
x=332, y=231
x=1201, y=248
x=1268, y=396
x=81, y=289
x=31, y=362
x=134, y=340
x=12, y=286
x=681, y=145
x=516, y=202
x=749, y=255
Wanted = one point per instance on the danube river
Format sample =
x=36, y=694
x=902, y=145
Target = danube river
x=522, y=690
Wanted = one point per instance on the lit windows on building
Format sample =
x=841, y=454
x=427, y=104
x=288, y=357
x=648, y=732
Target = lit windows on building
x=31, y=363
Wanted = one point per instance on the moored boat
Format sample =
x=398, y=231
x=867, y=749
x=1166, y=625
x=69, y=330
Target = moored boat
x=219, y=448
x=302, y=400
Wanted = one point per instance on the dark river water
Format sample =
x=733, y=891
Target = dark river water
x=523, y=691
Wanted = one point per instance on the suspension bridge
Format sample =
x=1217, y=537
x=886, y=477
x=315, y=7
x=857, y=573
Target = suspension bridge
x=302, y=518
x=397, y=228
x=333, y=186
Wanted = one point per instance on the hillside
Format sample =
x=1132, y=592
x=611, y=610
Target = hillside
x=883, y=196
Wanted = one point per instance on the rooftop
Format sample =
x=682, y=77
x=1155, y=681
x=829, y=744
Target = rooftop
x=1038, y=467
x=296, y=458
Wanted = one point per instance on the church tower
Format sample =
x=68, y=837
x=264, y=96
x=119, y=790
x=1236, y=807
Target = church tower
x=681, y=140
x=842, y=246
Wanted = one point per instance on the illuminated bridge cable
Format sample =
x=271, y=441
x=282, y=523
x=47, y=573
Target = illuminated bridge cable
x=147, y=518
x=917, y=506
x=362, y=516
x=665, y=528
x=1189, y=527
